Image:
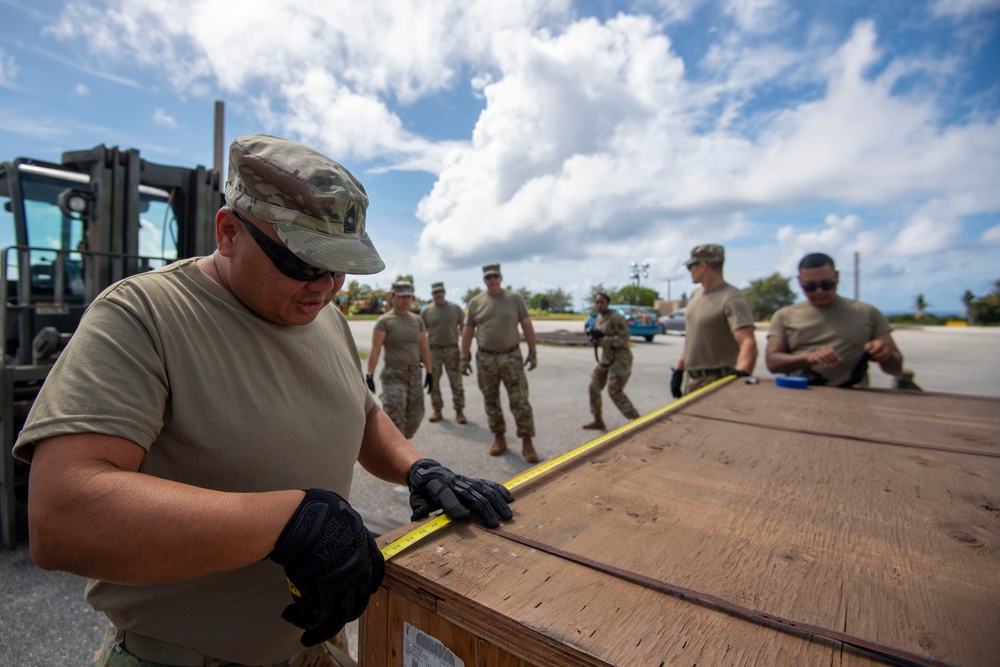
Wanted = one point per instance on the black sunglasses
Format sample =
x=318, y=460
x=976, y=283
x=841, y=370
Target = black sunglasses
x=283, y=258
x=825, y=285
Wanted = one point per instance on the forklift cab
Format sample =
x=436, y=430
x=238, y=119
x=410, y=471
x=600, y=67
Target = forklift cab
x=67, y=232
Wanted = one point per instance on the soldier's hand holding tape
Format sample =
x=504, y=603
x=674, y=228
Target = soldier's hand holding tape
x=434, y=487
x=332, y=563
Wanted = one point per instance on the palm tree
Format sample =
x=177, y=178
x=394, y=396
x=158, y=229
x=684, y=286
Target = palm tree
x=920, y=304
x=968, y=299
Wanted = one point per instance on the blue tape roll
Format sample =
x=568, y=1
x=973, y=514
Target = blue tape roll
x=791, y=382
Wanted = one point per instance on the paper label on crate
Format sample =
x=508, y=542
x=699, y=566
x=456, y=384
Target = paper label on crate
x=422, y=650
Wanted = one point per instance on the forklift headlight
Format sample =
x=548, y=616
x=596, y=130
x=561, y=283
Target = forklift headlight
x=73, y=203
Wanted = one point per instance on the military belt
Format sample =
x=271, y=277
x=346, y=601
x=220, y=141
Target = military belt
x=508, y=351
x=443, y=347
x=711, y=372
x=404, y=367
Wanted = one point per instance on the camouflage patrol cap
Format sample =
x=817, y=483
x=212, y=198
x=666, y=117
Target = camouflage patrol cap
x=491, y=269
x=437, y=287
x=316, y=205
x=402, y=288
x=708, y=252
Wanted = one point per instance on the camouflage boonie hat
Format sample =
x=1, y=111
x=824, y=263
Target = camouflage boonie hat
x=437, y=287
x=402, y=288
x=709, y=252
x=316, y=205
x=491, y=269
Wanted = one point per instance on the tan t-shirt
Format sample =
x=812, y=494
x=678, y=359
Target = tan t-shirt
x=711, y=318
x=221, y=399
x=402, y=337
x=496, y=319
x=846, y=325
x=443, y=323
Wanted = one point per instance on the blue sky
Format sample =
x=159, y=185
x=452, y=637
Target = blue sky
x=567, y=139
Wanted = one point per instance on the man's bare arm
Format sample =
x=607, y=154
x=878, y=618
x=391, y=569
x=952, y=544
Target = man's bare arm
x=529, y=332
x=747, y=357
x=884, y=352
x=93, y=514
x=467, y=333
x=385, y=453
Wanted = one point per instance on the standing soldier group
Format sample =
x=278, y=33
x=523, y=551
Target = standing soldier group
x=822, y=338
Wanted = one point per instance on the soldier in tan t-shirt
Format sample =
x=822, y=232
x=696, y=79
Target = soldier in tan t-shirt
x=444, y=330
x=404, y=337
x=192, y=450
x=719, y=331
x=825, y=336
x=493, y=317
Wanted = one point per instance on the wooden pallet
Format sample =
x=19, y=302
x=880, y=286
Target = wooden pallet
x=868, y=512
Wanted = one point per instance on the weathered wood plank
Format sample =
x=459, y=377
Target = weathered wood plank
x=892, y=544
x=931, y=419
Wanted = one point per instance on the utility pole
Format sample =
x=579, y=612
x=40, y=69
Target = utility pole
x=639, y=271
x=857, y=276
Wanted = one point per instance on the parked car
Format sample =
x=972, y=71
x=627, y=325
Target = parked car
x=641, y=321
x=672, y=323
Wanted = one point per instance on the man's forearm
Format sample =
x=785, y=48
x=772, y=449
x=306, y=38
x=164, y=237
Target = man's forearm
x=385, y=453
x=96, y=520
x=786, y=362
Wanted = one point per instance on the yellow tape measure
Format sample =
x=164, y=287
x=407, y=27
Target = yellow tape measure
x=432, y=526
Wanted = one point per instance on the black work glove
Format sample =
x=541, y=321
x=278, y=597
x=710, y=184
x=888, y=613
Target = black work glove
x=596, y=335
x=531, y=361
x=676, y=383
x=429, y=382
x=370, y=381
x=434, y=487
x=466, y=367
x=740, y=374
x=332, y=564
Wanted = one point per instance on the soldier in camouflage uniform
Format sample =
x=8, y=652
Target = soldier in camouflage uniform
x=610, y=335
x=444, y=329
x=404, y=337
x=492, y=317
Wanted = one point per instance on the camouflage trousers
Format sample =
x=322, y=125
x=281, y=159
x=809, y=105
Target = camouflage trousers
x=114, y=654
x=615, y=376
x=697, y=379
x=507, y=367
x=450, y=360
x=403, y=397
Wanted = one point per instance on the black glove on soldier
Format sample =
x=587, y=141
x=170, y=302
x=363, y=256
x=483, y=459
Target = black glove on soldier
x=434, y=487
x=429, y=382
x=370, y=381
x=676, y=380
x=332, y=563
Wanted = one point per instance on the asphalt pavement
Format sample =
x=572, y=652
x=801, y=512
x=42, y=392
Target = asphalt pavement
x=44, y=620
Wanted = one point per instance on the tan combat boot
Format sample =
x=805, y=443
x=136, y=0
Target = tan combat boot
x=460, y=417
x=528, y=450
x=435, y=417
x=499, y=445
x=596, y=425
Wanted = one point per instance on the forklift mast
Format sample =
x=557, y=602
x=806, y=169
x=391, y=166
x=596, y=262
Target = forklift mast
x=67, y=231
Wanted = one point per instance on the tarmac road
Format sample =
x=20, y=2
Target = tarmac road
x=45, y=622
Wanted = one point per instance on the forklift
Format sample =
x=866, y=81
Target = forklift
x=67, y=231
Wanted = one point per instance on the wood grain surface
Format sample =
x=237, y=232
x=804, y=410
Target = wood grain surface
x=869, y=512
